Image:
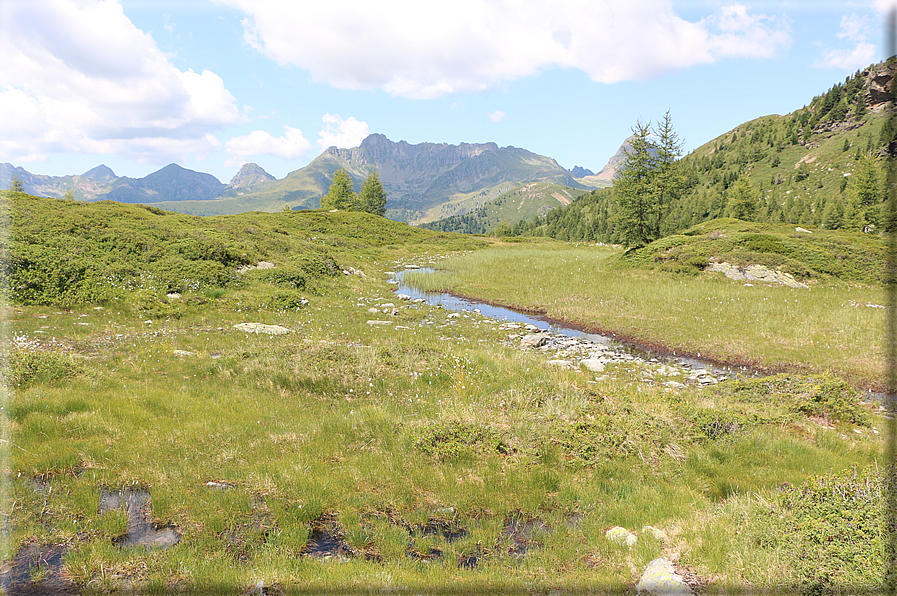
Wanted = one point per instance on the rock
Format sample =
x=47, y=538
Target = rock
x=802, y=230
x=264, y=265
x=531, y=327
x=173, y=295
x=657, y=533
x=593, y=364
x=454, y=315
x=182, y=353
x=674, y=385
x=261, y=328
x=660, y=578
x=380, y=322
x=373, y=310
x=621, y=535
x=387, y=305
x=403, y=296
x=562, y=363
x=534, y=340
x=412, y=266
x=755, y=273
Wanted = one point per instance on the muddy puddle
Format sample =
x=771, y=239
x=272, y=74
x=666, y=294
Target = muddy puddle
x=437, y=530
x=141, y=531
x=327, y=541
x=36, y=569
x=522, y=533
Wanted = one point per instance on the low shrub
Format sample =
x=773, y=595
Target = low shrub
x=26, y=368
x=447, y=440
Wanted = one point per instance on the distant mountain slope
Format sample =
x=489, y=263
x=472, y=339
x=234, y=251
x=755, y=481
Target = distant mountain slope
x=171, y=183
x=88, y=186
x=521, y=203
x=424, y=182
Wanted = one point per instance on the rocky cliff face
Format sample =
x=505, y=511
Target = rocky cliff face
x=422, y=176
x=879, y=84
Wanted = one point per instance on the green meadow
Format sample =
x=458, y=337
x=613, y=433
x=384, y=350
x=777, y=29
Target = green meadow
x=380, y=445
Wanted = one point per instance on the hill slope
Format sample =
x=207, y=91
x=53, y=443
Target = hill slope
x=522, y=203
x=802, y=167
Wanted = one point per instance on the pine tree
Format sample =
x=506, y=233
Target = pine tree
x=340, y=195
x=742, y=203
x=372, y=197
x=16, y=184
x=635, y=218
x=669, y=181
x=866, y=187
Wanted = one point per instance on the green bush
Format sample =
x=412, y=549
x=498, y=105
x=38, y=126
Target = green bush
x=447, y=440
x=825, y=396
x=831, y=527
x=26, y=368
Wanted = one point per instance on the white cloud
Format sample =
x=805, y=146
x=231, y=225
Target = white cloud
x=423, y=50
x=860, y=54
x=344, y=134
x=289, y=146
x=497, y=116
x=77, y=75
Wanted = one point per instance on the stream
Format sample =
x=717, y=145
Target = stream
x=454, y=303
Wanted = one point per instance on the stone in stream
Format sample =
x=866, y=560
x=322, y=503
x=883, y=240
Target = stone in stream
x=534, y=340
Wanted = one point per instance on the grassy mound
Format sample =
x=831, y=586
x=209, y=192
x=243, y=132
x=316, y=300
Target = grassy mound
x=68, y=253
x=812, y=254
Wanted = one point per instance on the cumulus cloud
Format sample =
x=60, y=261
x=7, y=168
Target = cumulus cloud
x=497, y=116
x=860, y=53
x=291, y=145
x=425, y=50
x=77, y=75
x=344, y=134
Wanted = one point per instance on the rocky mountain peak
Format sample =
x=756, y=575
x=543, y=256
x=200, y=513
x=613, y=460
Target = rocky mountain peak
x=101, y=173
x=250, y=175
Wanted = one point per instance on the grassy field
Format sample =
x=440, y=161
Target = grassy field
x=831, y=326
x=425, y=455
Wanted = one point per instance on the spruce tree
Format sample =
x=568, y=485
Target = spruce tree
x=16, y=184
x=340, y=195
x=866, y=187
x=635, y=217
x=372, y=197
x=742, y=203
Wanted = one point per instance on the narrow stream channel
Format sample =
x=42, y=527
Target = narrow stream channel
x=457, y=304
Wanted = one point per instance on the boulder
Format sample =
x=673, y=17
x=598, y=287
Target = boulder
x=621, y=535
x=534, y=340
x=660, y=578
x=593, y=364
x=261, y=328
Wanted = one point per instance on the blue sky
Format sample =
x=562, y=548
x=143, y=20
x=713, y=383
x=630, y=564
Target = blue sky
x=213, y=84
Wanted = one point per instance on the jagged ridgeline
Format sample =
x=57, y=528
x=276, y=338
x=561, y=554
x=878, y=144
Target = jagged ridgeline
x=63, y=252
x=821, y=165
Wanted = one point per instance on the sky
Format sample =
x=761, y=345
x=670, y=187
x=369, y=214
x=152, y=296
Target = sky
x=214, y=84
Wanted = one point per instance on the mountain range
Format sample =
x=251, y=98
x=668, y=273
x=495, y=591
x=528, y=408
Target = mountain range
x=424, y=182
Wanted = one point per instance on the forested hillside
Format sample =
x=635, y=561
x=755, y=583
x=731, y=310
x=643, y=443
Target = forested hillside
x=821, y=165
